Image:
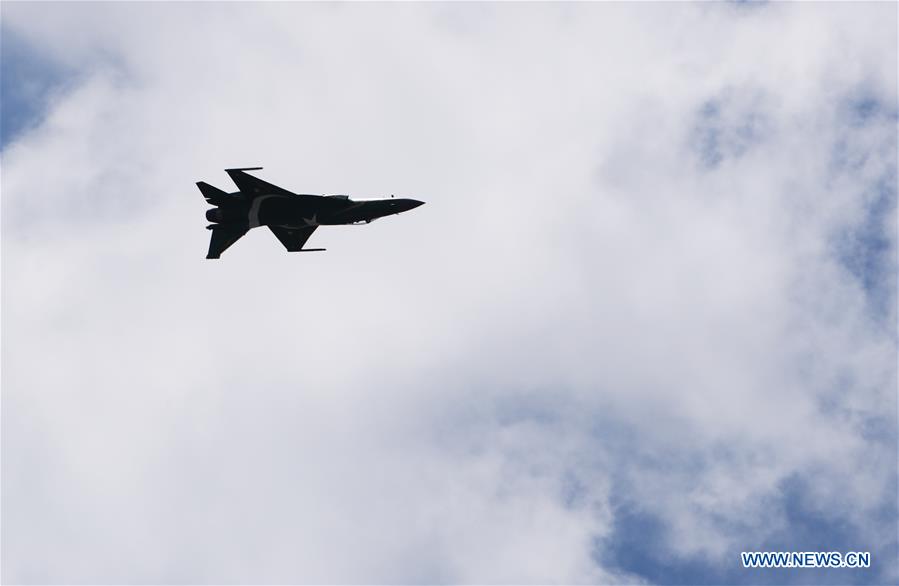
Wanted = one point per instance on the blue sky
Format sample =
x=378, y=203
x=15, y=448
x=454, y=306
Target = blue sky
x=647, y=320
x=29, y=82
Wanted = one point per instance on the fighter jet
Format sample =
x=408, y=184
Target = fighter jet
x=292, y=217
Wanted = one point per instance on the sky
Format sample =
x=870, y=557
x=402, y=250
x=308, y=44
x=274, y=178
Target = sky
x=645, y=322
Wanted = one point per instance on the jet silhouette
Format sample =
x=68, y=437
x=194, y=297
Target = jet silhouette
x=292, y=217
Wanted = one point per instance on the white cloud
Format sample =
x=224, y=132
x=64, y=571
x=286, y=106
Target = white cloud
x=625, y=288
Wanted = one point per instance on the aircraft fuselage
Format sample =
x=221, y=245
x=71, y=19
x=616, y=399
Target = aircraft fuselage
x=292, y=211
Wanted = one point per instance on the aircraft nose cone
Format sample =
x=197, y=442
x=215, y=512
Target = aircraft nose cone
x=401, y=205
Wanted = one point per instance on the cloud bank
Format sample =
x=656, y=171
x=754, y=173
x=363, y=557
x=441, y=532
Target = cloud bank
x=645, y=322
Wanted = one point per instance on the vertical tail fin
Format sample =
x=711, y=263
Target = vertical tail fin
x=223, y=236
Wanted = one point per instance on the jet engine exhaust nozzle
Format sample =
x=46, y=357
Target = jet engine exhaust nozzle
x=215, y=215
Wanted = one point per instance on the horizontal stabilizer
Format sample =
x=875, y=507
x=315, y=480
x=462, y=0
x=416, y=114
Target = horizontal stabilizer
x=244, y=169
x=213, y=194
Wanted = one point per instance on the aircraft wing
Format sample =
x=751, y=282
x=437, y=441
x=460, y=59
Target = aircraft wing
x=223, y=236
x=293, y=239
x=253, y=186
